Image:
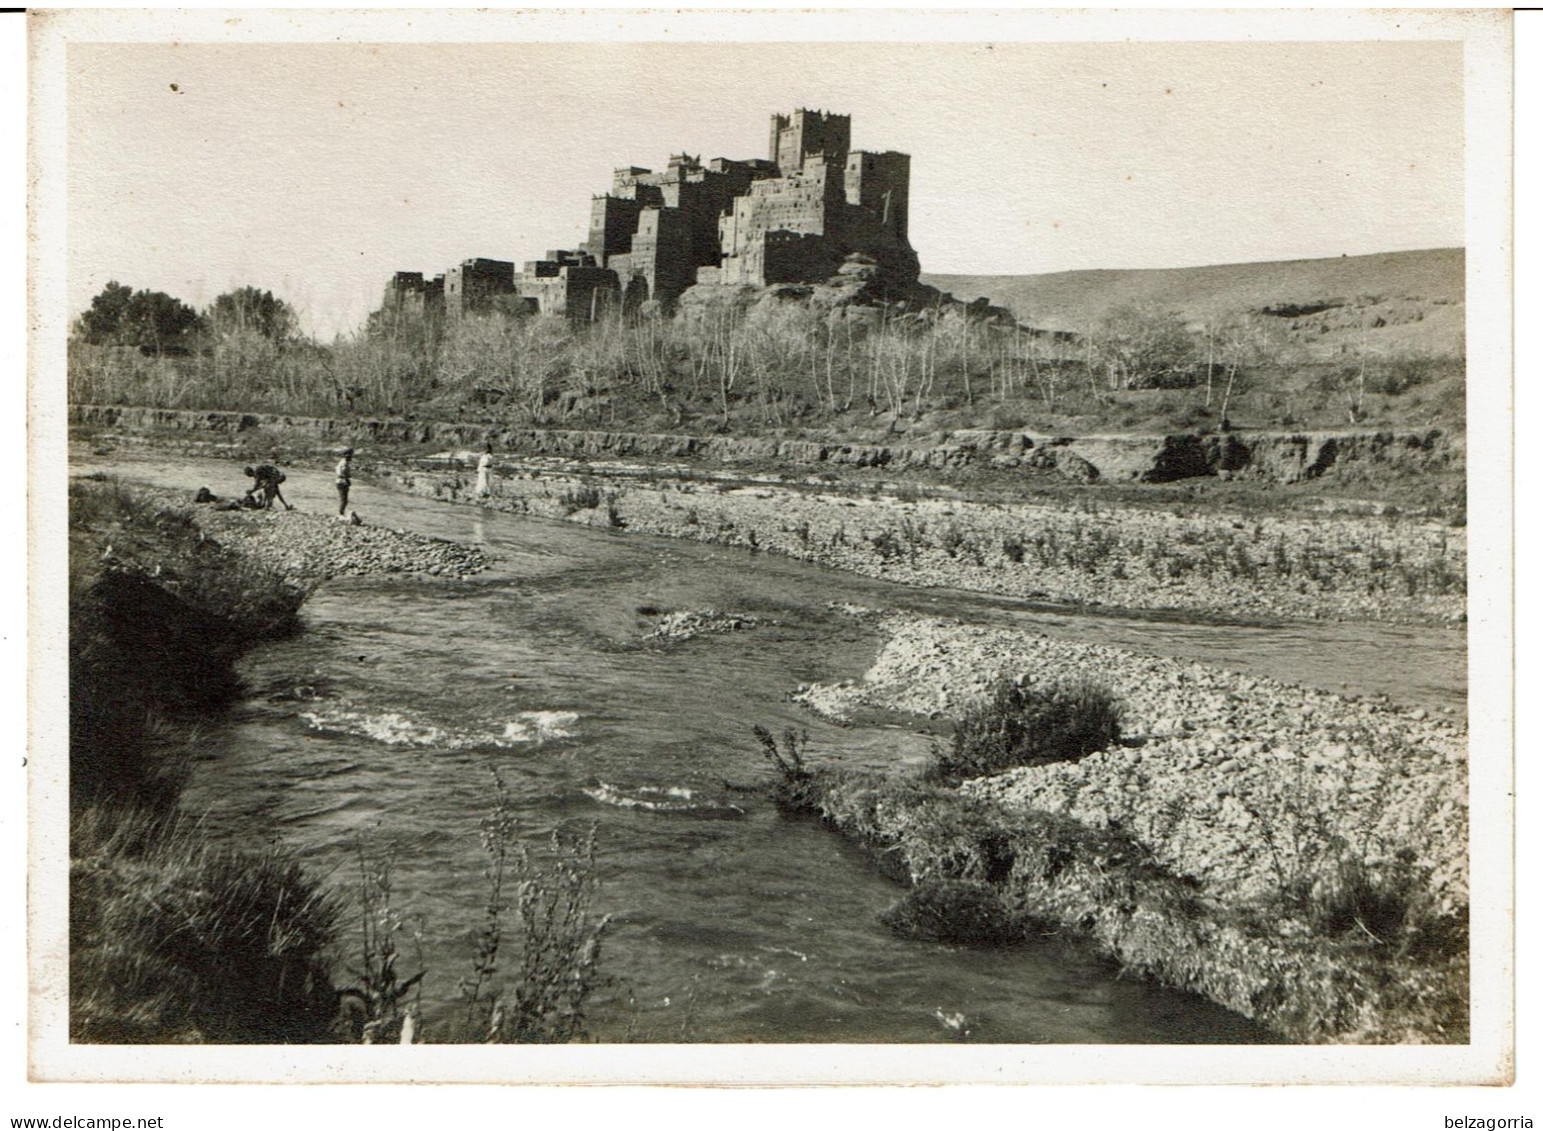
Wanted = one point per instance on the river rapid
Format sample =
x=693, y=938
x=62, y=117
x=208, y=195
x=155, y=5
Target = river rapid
x=383, y=721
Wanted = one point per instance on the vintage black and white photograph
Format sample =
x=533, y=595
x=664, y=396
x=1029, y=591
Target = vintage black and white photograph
x=584, y=537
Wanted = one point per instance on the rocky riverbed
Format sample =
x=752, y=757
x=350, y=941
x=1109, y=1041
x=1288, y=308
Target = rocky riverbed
x=1239, y=782
x=308, y=547
x=1297, y=856
x=687, y=624
x=1098, y=553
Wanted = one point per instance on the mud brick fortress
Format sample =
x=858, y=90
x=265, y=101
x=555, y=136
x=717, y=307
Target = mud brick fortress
x=793, y=217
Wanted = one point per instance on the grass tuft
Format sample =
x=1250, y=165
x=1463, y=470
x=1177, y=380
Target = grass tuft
x=175, y=940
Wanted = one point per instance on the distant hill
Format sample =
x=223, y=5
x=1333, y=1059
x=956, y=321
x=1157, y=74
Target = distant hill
x=1398, y=300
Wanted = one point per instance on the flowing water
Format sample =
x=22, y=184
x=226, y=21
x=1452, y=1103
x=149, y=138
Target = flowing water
x=385, y=718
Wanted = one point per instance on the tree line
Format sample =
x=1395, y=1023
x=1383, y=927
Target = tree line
x=156, y=323
x=721, y=365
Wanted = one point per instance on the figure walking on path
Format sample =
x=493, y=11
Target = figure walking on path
x=485, y=472
x=345, y=478
x=266, y=479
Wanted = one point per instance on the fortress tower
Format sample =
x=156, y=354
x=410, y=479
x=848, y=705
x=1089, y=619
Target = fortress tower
x=804, y=134
x=792, y=218
x=830, y=201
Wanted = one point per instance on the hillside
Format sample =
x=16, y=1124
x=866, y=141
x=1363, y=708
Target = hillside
x=1405, y=301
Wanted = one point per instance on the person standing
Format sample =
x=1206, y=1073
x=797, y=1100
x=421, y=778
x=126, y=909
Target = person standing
x=485, y=472
x=345, y=478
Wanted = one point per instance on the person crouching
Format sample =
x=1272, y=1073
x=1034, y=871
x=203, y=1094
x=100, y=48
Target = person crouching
x=265, y=486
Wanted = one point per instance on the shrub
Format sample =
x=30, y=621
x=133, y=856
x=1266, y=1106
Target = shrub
x=887, y=544
x=954, y=911
x=172, y=939
x=582, y=499
x=1028, y=726
x=794, y=789
x=1404, y=371
x=613, y=516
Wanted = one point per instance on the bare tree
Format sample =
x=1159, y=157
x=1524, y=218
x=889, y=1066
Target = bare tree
x=1145, y=348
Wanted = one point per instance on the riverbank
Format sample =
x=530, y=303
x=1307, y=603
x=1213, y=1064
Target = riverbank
x=1241, y=565
x=971, y=511
x=177, y=937
x=173, y=938
x=1267, y=846
x=1030, y=459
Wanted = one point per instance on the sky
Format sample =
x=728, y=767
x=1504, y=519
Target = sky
x=316, y=170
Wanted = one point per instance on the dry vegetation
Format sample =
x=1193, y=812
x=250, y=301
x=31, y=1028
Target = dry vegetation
x=748, y=362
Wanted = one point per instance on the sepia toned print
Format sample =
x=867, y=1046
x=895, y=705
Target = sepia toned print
x=889, y=545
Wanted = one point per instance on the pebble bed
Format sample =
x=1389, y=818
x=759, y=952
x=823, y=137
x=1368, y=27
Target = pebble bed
x=1241, y=783
x=1309, y=566
x=304, y=546
x=690, y=623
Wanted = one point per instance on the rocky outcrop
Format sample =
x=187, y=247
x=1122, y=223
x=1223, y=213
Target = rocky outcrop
x=1275, y=457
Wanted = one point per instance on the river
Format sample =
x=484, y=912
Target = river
x=730, y=922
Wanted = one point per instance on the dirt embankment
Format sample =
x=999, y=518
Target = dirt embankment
x=1268, y=846
x=1270, y=457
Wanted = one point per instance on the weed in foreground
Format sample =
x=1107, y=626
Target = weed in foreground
x=175, y=940
x=383, y=999
x=558, y=963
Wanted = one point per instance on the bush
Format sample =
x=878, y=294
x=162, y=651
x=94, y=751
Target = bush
x=967, y=912
x=795, y=789
x=585, y=498
x=174, y=940
x=1028, y=726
